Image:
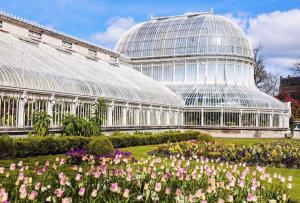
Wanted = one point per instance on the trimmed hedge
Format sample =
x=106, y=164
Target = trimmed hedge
x=100, y=146
x=120, y=140
x=34, y=146
x=37, y=145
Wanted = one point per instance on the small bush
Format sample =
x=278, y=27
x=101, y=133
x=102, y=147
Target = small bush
x=7, y=148
x=74, y=125
x=203, y=137
x=41, y=123
x=100, y=146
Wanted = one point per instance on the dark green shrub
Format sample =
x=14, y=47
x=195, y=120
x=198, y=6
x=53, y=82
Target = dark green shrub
x=100, y=146
x=203, y=137
x=36, y=145
x=41, y=145
x=41, y=123
x=74, y=125
x=99, y=110
x=7, y=148
x=76, y=142
x=123, y=139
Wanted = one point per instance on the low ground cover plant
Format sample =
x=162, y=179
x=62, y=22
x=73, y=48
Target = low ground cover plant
x=276, y=153
x=117, y=179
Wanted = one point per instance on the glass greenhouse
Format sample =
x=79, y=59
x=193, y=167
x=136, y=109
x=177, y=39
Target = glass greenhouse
x=207, y=60
x=37, y=75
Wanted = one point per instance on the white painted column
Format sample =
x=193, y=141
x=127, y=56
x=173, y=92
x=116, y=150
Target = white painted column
x=271, y=119
x=124, y=119
x=158, y=115
x=51, y=103
x=22, y=102
x=149, y=116
x=137, y=116
x=221, y=117
x=257, y=119
x=168, y=116
x=281, y=120
x=74, y=105
x=176, y=117
x=181, y=118
x=202, y=117
x=110, y=115
x=240, y=118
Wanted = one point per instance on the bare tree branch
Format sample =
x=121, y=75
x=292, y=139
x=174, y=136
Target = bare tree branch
x=296, y=68
x=264, y=80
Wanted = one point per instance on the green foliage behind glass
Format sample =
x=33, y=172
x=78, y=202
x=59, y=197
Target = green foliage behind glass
x=74, y=125
x=41, y=123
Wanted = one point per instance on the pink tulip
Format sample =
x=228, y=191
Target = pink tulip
x=94, y=193
x=158, y=187
x=32, y=195
x=114, y=187
x=66, y=200
x=251, y=197
x=12, y=166
x=81, y=191
x=178, y=192
x=20, y=163
x=2, y=170
x=37, y=185
x=126, y=193
x=21, y=176
x=23, y=191
x=191, y=198
x=59, y=192
x=78, y=177
x=168, y=191
x=230, y=198
x=146, y=186
x=3, y=195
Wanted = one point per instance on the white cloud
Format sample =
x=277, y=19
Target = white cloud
x=241, y=19
x=279, y=35
x=116, y=27
x=277, y=32
x=280, y=64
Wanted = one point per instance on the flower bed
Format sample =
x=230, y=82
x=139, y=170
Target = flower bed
x=276, y=153
x=117, y=179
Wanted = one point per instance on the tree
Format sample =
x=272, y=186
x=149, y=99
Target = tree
x=99, y=112
x=265, y=81
x=41, y=123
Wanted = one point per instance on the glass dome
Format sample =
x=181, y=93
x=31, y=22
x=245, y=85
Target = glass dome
x=205, y=58
x=204, y=34
x=44, y=68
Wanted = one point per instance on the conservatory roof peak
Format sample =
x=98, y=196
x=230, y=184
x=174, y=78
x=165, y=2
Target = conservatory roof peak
x=187, y=14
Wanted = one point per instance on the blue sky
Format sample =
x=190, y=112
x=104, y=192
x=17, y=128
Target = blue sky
x=98, y=20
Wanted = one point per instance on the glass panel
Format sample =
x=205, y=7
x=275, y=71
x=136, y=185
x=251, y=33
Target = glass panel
x=179, y=72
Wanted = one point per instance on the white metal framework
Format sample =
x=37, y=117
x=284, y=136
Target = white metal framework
x=38, y=76
x=208, y=61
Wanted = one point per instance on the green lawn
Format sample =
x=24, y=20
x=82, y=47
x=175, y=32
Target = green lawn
x=141, y=152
